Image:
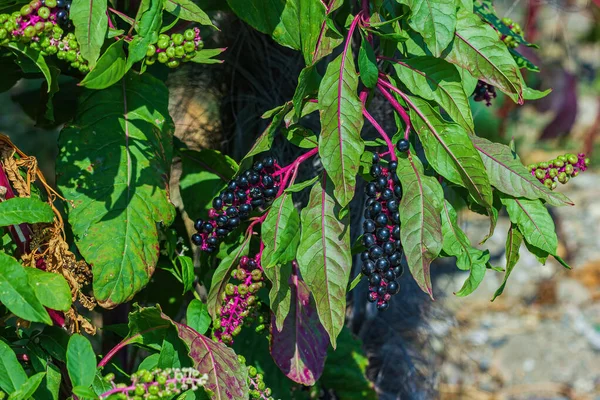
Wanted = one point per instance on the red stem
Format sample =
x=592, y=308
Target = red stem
x=297, y=162
x=124, y=343
x=382, y=133
x=381, y=85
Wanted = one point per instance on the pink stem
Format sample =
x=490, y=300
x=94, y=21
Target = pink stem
x=124, y=343
x=297, y=162
x=381, y=85
x=382, y=133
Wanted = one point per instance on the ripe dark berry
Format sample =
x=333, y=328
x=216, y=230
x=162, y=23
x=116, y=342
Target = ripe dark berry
x=268, y=162
x=375, y=279
x=232, y=185
x=398, y=270
x=221, y=232
x=389, y=248
x=369, y=240
x=270, y=193
x=227, y=197
x=398, y=191
x=384, y=305
x=257, y=203
x=253, y=178
x=207, y=227
x=364, y=256
x=241, y=196
x=392, y=205
x=387, y=194
x=371, y=190
x=217, y=203
x=231, y=212
x=381, y=220
x=62, y=15
x=393, y=166
x=222, y=220
x=403, y=145
x=368, y=268
x=396, y=232
x=382, y=264
x=381, y=182
x=369, y=226
x=256, y=193
x=258, y=166
x=375, y=252
x=268, y=181
x=212, y=241
x=376, y=170
x=389, y=275
x=197, y=239
x=375, y=158
x=198, y=225
x=372, y=297
x=393, y=287
x=383, y=234
x=381, y=291
x=245, y=208
x=233, y=222
x=395, y=258
x=395, y=217
x=242, y=182
x=375, y=208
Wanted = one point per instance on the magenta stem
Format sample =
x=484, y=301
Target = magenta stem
x=382, y=133
x=297, y=162
x=381, y=85
x=124, y=343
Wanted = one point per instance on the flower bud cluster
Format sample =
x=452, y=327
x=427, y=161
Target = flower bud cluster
x=560, y=169
x=510, y=41
x=258, y=389
x=251, y=190
x=174, y=49
x=239, y=301
x=484, y=92
x=41, y=25
x=156, y=384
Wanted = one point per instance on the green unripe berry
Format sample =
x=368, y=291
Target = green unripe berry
x=251, y=300
x=3, y=33
x=73, y=45
x=267, y=391
x=531, y=167
x=147, y=377
x=252, y=371
x=109, y=377
x=139, y=390
x=29, y=32
x=237, y=330
x=151, y=50
x=200, y=45
x=26, y=10
x=548, y=182
x=35, y=46
x=84, y=69
x=569, y=169
x=244, y=314
x=45, y=42
x=3, y=18
x=150, y=60
x=543, y=165
x=44, y=12
x=153, y=397
x=71, y=55
x=255, y=287
x=40, y=26
x=189, y=34
x=173, y=64
x=179, y=51
x=162, y=44
x=241, y=359
x=259, y=328
x=559, y=163
x=164, y=37
x=242, y=289
x=554, y=185
x=50, y=3
x=161, y=379
x=256, y=275
x=121, y=396
x=51, y=50
x=572, y=158
x=562, y=177
x=189, y=47
x=217, y=324
x=586, y=161
x=540, y=174
x=153, y=389
x=76, y=64
x=255, y=394
x=177, y=39
x=170, y=51
x=223, y=295
x=553, y=172
x=230, y=289
x=226, y=338
x=162, y=58
x=9, y=26
x=262, y=386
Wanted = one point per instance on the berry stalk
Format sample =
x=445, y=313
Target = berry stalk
x=382, y=85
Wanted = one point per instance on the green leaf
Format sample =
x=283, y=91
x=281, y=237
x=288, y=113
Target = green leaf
x=450, y=151
x=26, y=390
x=206, y=56
x=91, y=23
x=434, y=20
x=149, y=362
x=84, y=393
x=12, y=375
x=51, y=289
x=476, y=262
x=280, y=233
x=367, y=64
x=280, y=293
x=478, y=49
x=204, y=174
x=532, y=94
x=17, y=294
x=197, y=316
x=34, y=56
x=148, y=28
x=324, y=256
x=302, y=137
x=20, y=210
x=222, y=273
x=81, y=361
x=523, y=62
x=189, y=11
x=420, y=208
x=317, y=38
x=50, y=386
x=340, y=144
x=118, y=182
x=297, y=187
x=111, y=67
x=513, y=245
x=186, y=266
x=455, y=241
x=435, y=79
x=308, y=84
x=509, y=175
x=534, y=222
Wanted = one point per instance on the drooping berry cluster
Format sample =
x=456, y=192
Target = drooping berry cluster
x=256, y=383
x=381, y=232
x=486, y=92
x=251, y=190
x=239, y=302
x=41, y=24
x=515, y=28
x=560, y=169
x=156, y=384
x=174, y=49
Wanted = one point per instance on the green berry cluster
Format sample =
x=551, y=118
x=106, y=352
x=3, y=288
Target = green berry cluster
x=156, y=384
x=37, y=25
x=515, y=28
x=256, y=383
x=561, y=169
x=175, y=49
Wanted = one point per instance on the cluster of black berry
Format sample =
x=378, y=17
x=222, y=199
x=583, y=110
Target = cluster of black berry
x=251, y=190
x=381, y=231
x=41, y=24
x=486, y=92
x=172, y=50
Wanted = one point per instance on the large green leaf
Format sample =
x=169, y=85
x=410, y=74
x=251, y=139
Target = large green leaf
x=51, y=289
x=324, y=256
x=34, y=56
x=113, y=165
x=435, y=20
x=24, y=209
x=91, y=23
x=280, y=232
x=450, y=151
x=435, y=79
x=17, y=294
x=367, y=64
x=534, y=222
x=476, y=263
x=514, y=240
x=111, y=67
x=12, y=375
x=317, y=39
x=197, y=317
x=28, y=388
x=340, y=144
x=478, y=49
x=222, y=273
x=188, y=10
x=509, y=175
x=81, y=361
x=420, y=209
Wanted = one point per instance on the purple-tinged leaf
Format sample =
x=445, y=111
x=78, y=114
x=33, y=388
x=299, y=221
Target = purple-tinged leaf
x=300, y=348
x=508, y=174
x=420, y=208
x=340, y=144
x=514, y=240
x=324, y=256
x=478, y=49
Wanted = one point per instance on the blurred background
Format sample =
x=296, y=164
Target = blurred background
x=541, y=338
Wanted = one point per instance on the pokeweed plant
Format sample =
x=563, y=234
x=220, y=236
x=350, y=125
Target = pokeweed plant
x=282, y=273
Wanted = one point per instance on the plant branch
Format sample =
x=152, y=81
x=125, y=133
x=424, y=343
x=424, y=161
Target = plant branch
x=124, y=343
x=382, y=133
x=382, y=85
